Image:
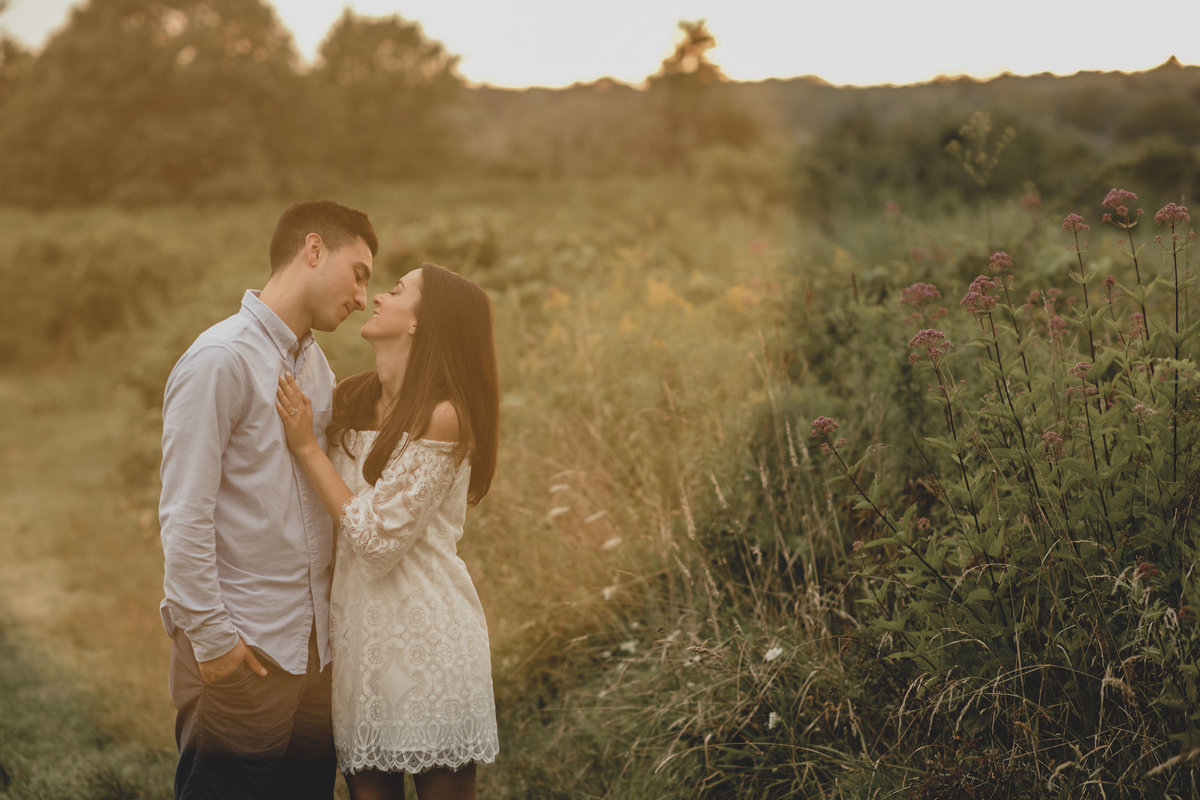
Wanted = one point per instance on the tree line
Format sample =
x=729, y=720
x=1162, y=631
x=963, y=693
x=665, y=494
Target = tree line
x=149, y=101
x=143, y=101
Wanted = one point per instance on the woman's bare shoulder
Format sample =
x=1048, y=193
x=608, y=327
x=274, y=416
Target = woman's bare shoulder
x=443, y=424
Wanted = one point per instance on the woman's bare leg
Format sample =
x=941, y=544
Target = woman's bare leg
x=370, y=784
x=445, y=784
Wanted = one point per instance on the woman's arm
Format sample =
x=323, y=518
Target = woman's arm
x=295, y=410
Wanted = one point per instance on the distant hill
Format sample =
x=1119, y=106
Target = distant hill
x=1123, y=125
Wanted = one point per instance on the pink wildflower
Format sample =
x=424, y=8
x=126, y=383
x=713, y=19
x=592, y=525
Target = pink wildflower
x=1000, y=262
x=1057, y=326
x=918, y=294
x=823, y=426
x=1137, y=323
x=1054, y=446
x=1171, y=214
x=1110, y=282
x=934, y=342
x=1073, y=223
x=1143, y=411
x=1080, y=370
x=977, y=299
x=1031, y=202
x=1145, y=570
x=858, y=545
x=1106, y=217
x=1117, y=200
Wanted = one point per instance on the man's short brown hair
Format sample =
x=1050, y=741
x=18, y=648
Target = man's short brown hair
x=335, y=223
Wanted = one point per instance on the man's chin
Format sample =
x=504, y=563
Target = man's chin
x=330, y=325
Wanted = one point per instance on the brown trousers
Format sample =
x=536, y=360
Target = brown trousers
x=252, y=737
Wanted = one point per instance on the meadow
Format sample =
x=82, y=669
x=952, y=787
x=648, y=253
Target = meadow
x=776, y=515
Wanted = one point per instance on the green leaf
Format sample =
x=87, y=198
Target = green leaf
x=941, y=444
x=1081, y=468
x=884, y=541
x=980, y=594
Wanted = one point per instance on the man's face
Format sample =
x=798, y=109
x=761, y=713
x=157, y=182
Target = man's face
x=341, y=284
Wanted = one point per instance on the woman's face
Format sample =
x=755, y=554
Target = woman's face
x=395, y=311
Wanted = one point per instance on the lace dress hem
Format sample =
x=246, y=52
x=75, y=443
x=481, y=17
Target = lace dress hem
x=414, y=763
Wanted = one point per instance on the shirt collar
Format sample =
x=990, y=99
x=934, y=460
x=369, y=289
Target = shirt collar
x=285, y=340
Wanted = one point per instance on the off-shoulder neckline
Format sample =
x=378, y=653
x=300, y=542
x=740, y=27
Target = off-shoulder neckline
x=407, y=438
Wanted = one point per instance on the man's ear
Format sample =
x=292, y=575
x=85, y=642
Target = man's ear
x=314, y=248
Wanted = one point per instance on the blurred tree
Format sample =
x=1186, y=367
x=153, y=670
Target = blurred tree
x=1167, y=112
x=145, y=100
x=696, y=111
x=387, y=91
x=15, y=62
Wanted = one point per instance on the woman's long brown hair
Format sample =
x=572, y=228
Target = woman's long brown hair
x=453, y=358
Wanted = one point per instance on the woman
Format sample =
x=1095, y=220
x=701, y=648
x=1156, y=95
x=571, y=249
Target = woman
x=411, y=445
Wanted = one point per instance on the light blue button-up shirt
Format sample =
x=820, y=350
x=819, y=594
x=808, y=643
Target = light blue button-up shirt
x=247, y=544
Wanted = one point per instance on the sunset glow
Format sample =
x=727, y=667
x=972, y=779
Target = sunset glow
x=857, y=42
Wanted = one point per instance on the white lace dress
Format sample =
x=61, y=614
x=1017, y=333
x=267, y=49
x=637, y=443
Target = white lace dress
x=412, y=678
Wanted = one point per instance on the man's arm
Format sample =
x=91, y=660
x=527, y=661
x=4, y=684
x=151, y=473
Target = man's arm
x=203, y=400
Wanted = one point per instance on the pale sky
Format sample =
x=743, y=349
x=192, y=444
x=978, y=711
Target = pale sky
x=861, y=42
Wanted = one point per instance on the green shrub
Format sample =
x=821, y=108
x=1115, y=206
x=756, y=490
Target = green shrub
x=1041, y=611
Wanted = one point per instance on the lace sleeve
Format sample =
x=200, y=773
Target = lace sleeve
x=383, y=522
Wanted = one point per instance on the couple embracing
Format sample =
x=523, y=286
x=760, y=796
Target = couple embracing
x=320, y=615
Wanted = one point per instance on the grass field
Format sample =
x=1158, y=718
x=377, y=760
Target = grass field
x=743, y=541
x=628, y=317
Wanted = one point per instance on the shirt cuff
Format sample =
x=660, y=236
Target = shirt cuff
x=212, y=641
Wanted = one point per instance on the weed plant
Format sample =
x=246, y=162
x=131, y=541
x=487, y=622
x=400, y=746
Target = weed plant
x=1026, y=585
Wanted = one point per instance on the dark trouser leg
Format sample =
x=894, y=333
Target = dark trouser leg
x=310, y=766
x=233, y=735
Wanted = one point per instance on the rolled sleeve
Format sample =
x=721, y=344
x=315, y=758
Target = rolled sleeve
x=202, y=404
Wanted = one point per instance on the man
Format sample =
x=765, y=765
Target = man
x=247, y=545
